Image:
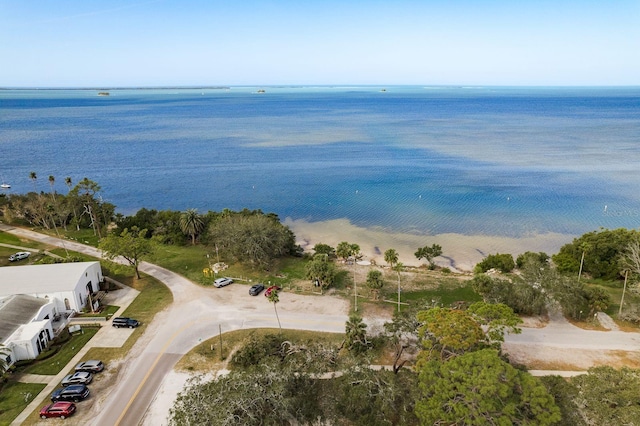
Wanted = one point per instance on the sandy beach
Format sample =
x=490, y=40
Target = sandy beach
x=460, y=252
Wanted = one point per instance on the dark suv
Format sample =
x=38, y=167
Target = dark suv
x=124, y=322
x=73, y=393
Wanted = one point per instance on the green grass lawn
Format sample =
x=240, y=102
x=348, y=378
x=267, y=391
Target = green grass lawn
x=31, y=246
x=14, y=397
x=445, y=294
x=55, y=364
x=7, y=238
x=184, y=260
x=614, y=290
x=107, y=310
x=191, y=261
x=84, y=236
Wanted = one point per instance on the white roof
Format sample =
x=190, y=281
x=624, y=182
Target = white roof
x=28, y=331
x=34, y=279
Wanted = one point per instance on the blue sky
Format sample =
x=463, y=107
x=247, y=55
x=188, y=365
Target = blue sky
x=64, y=43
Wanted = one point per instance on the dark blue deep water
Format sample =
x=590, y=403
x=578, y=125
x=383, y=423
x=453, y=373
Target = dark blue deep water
x=428, y=160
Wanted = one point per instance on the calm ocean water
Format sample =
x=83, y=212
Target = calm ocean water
x=427, y=160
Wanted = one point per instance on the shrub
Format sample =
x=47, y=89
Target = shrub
x=257, y=350
x=503, y=262
x=522, y=297
x=539, y=258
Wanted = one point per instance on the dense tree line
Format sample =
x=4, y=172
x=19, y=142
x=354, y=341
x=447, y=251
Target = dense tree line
x=598, y=252
x=81, y=207
x=538, y=285
x=248, y=236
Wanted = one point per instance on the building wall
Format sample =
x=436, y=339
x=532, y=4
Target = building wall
x=30, y=339
x=79, y=296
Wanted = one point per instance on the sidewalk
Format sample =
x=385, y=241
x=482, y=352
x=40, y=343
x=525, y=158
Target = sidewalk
x=106, y=337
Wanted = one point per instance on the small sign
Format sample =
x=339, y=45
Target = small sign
x=74, y=328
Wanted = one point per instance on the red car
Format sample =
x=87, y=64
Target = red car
x=271, y=290
x=62, y=409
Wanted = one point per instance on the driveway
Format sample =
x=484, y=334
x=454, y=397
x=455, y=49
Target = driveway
x=197, y=313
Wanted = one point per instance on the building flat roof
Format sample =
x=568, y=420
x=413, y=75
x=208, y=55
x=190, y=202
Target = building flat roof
x=41, y=279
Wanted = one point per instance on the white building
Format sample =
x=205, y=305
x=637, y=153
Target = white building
x=32, y=297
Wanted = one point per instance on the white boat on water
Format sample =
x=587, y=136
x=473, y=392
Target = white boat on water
x=5, y=186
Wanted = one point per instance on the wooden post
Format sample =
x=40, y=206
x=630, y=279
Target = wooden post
x=355, y=286
x=581, y=263
x=626, y=274
x=220, y=332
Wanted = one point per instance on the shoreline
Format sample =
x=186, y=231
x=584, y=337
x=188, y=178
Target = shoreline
x=459, y=252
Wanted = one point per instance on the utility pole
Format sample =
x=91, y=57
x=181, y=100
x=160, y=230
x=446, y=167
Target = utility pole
x=355, y=286
x=624, y=289
x=398, y=291
x=581, y=263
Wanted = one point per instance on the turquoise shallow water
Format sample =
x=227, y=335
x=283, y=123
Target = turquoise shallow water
x=426, y=160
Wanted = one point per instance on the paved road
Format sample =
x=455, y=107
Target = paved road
x=197, y=313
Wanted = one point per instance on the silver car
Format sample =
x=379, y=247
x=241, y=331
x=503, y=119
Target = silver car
x=78, y=378
x=221, y=282
x=91, y=366
x=19, y=256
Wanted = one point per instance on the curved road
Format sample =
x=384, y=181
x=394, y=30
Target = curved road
x=197, y=313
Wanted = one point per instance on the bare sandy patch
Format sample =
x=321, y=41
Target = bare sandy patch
x=460, y=252
x=537, y=357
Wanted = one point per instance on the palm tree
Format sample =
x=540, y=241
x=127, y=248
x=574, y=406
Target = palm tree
x=274, y=298
x=69, y=183
x=391, y=257
x=375, y=282
x=345, y=251
x=34, y=177
x=52, y=180
x=356, y=334
x=191, y=224
x=398, y=268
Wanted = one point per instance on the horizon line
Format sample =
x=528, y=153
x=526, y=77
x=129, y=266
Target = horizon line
x=293, y=86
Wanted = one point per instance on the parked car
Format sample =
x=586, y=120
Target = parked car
x=78, y=378
x=124, y=322
x=19, y=256
x=60, y=409
x=221, y=282
x=91, y=366
x=271, y=290
x=73, y=393
x=256, y=289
